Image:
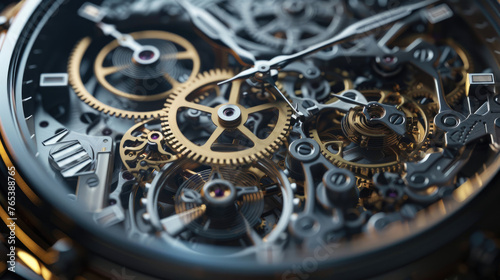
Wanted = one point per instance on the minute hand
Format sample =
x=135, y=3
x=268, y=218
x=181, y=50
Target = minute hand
x=359, y=29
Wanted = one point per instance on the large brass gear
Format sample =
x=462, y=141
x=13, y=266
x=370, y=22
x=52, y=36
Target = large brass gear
x=186, y=52
x=212, y=151
x=327, y=130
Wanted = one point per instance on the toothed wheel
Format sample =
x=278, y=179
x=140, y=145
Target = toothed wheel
x=238, y=207
x=130, y=86
x=143, y=149
x=238, y=122
x=348, y=141
x=292, y=24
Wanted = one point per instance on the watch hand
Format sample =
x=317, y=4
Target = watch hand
x=270, y=80
x=349, y=100
x=215, y=30
x=356, y=30
x=125, y=40
x=143, y=54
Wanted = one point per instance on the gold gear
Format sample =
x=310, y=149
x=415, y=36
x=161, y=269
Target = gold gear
x=101, y=72
x=326, y=129
x=142, y=148
x=211, y=152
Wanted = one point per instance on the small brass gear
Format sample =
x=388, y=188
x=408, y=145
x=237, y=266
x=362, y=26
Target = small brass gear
x=143, y=149
x=327, y=130
x=113, y=60
x=230, y=140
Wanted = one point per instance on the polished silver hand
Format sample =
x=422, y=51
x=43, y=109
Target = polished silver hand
x=359, y=29
x=143, y=54
x=215, y=30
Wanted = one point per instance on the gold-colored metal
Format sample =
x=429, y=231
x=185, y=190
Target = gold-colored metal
x=189, y=53
x=143, y=149
x=102, y=72
x=10, y=12
x=211, y=152
x=327, y=131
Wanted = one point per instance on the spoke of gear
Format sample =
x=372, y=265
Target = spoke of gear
x=229, y=139
x=167, y=74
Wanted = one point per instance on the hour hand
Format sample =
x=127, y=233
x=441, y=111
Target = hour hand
x=217, y=31
x=96, y=14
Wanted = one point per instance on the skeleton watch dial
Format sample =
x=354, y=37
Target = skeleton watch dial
x=277, y=139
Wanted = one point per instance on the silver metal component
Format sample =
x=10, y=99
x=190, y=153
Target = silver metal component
x=484, y=121
x=214, y=29
x=175, y=224
x=229, y=113
x=74, y=159
x=479, y=84
x=147, y=55
x=348, y=99
x=387, y=115
x=438, y=13
x=361, y=28
x=54, y=80
x=376, y=112
x=436, y=169
x=114, y=213
x=92, y=12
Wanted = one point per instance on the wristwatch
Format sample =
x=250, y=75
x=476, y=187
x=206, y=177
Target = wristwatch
x=233, y=139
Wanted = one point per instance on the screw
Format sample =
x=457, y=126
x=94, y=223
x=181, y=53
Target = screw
x=338, y=178
x=305, y=149
x=93, y=182
x=396, y=119
x=350, y=95
x=311, y=71
x=127, y=176
x=306, y=223
x=450, y=121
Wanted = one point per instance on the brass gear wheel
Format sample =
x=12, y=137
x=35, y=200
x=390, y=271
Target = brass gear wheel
x=143, y=149
x=327, y=130
x=166, y=74
x=233, y=107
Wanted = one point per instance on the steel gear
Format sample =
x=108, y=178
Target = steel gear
x=229, y=112
x=143, y=149
x=349, y=142
x=116, y=71
x=292, y=24
x=204, y=203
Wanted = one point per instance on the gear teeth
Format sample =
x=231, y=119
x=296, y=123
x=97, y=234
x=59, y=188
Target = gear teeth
x=171, y=131
x=365, y=171
x=76, y=83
